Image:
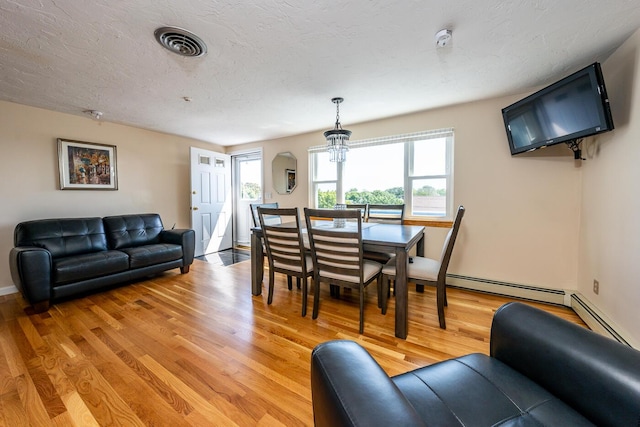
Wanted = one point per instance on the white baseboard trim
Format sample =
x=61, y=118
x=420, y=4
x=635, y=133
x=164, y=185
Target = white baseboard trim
x=6, y=290
x=593, y=317
x=551, y=296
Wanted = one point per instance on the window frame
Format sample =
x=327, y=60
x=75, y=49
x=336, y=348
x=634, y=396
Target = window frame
x=408, y=141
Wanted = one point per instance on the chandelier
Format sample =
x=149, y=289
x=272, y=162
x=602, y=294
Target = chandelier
x=337, y=138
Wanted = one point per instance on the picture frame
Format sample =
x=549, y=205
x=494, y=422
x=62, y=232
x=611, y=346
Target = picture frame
x=87, y=165
x=290, y=179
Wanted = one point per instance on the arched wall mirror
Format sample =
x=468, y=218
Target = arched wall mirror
x=283, y=172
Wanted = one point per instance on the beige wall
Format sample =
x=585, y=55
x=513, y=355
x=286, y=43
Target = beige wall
x=610, y=226
x=153, y=171
x=522, y=219
x=524, y=213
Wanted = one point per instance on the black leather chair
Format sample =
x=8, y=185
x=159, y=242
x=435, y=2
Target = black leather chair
x=542, y=370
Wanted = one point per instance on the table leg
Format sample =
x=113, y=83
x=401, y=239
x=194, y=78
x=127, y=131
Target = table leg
x=257, y=264
x=402, y=293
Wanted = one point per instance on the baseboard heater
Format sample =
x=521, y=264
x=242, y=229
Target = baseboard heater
x=533, y=293
x=595, y=320
x=586, y=311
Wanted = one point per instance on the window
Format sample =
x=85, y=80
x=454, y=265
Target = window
x=386, y=170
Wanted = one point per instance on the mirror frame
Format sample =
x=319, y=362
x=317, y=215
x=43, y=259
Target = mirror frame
x=284, y=167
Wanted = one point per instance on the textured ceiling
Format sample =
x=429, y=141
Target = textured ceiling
x=272, y=65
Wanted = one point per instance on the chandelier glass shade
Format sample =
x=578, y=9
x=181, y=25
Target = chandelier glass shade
x=337, y=138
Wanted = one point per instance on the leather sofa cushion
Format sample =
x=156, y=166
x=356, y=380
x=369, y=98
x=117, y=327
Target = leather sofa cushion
x=142, y=256
x=87, y=266
x=126, y=231
x=62, y=237
x=477, y=390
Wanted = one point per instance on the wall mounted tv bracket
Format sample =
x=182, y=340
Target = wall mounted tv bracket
x=574, y=145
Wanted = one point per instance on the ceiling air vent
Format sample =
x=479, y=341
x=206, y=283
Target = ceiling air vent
x=180, y=41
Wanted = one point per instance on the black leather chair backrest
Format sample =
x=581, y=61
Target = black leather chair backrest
x=62, y=237
x=595, y=375
x=125, y=231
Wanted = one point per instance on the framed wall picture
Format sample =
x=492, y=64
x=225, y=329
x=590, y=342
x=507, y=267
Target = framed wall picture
x=290, y=179
x=86, y=165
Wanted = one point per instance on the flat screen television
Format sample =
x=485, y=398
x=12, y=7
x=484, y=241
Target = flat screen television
x=572, y=108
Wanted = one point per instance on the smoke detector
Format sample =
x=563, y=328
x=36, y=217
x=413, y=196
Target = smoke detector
x=443, y=38
x=180, y=41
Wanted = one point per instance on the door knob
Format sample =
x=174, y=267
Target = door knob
x=195, y=208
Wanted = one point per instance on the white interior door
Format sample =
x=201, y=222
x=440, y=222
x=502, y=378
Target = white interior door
x=210, y=200
x=247, y=190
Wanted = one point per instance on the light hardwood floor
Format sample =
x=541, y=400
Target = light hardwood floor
x=199, y=349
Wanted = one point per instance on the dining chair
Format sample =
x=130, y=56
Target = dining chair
x=385, y=214
x=426, y=271
x=337, y=254
x=254, y=212
x=362, y=207
x=285, y=248
x=271, y=220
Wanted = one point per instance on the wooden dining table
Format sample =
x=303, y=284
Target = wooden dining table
x=376, y=237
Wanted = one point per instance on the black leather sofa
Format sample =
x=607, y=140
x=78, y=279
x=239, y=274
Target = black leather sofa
x=56, y=259
x=542, y=370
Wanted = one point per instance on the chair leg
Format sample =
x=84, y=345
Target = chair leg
x=304, y=295
x=392, y=284
x=420, y=288
x=298, y=282
x=316, y=297
x=271, y=280
x=440, y=297
x=384, y=292
x=334, y=291
x=290, y=282
x=361, y=309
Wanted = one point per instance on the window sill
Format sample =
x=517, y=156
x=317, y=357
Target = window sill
x=428, y=222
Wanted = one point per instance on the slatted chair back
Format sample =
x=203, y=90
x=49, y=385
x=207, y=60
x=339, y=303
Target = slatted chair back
x=387, y=214
x=362, y=207
x=254, y=213
x=337, y=252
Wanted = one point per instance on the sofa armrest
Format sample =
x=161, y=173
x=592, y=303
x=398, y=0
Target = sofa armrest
x=31, y=273
x=595, y=375
x=349, y=388
x=183, y=237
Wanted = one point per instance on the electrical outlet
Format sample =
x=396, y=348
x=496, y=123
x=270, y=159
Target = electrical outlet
x=596, y=287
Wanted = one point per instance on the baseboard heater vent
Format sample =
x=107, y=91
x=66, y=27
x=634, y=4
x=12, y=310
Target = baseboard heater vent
x=552, y=296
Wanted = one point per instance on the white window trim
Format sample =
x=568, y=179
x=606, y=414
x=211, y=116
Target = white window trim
x=408, y=177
